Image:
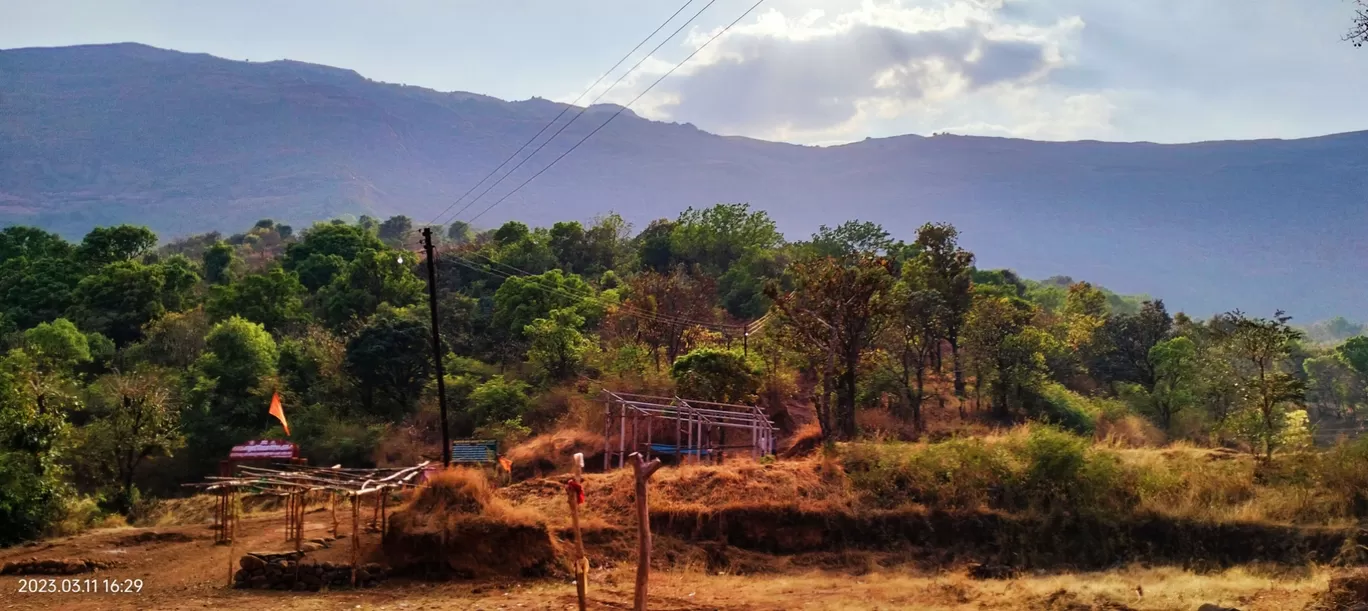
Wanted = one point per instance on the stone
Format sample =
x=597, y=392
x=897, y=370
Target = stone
x=252, y=563
x=1211, y=607
x=311, y=547
x=300, y=586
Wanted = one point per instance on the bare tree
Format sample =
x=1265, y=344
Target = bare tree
x=1359, y=33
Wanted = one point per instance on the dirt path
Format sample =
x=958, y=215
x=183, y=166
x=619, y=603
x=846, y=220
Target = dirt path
x=181, y=568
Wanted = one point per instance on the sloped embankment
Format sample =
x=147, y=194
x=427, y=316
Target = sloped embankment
x=455, y=524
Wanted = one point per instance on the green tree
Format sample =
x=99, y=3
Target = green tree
x=948, y=270
x=714, y=238
x=1260, y=349
x=1126, y=341
x=556, y=345
x=119, y=299
x=36, y=289
x=837, y=308
x=32, y=243
x=232, y=381
x=710, y=374
x=459, y=232
x=742, y=289
x=850, y=238
x=511, y=232
x=326, y=240
x=274, y=299
x=57, y=347
x=915, y=339
x=395, y=230
x=318, y=270
x=390, y=361
x=373, y=278
x=1174, y=362
x=654, y=248
x=179, y=281
x=105, y=245
x=1332, y=386
x=523, y=299
x=498, y=400
x=529, y=254
x=219, y=261
x=570, y=248
x=33, y=434
x=1005, y=350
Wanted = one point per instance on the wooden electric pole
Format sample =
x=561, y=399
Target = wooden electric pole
x=437, y=345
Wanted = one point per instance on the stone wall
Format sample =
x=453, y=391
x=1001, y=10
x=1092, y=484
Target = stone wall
x=64, y=566
x=290, y=571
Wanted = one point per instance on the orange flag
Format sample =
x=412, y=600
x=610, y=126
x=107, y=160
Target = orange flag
x=279, y=412
x=506, y=464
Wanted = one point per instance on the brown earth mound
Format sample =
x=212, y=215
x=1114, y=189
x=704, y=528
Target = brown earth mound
x=143, y=538
x=455, y=524
x=1347, y=591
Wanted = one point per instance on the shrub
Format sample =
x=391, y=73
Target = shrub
x=712, y=374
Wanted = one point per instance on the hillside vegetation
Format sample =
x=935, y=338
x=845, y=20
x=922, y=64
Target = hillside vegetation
x=131, y=367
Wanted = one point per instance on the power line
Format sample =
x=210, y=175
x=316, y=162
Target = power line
x=561, y=114
x=620, y=110
x=585, y=109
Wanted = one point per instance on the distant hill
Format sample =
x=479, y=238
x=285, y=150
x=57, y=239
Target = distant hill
x=185, y=143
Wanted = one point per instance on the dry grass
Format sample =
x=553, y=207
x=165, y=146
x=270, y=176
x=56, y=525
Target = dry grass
x=1164, y=589
x=548, y=454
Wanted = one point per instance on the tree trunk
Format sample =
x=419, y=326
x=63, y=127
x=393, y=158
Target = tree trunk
x=917, y=401
x=643, y=472
x=959, y=371
x=846, y=396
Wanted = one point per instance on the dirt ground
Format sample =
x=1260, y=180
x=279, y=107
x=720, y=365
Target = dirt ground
x=181, y=568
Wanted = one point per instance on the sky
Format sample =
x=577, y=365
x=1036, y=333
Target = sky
x=808, y=71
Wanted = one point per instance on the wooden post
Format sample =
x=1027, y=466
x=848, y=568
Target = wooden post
x=384, y=509
x=643, y=471
x=581, y=561
x=355, y=534
x=299, y=522
x=225, y=533
x=332, y=495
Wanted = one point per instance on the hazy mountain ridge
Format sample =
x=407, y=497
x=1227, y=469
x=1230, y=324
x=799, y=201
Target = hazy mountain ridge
x=189, y=142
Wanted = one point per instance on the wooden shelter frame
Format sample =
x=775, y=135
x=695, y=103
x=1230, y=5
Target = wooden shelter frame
x=695, y=423
x=295, y=482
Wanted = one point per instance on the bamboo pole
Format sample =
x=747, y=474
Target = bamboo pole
x=643, y=472
x=581, y=561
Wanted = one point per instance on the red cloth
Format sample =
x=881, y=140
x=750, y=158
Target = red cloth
x=575, y=487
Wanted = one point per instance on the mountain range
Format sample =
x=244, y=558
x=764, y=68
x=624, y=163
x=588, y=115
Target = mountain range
x=183, y=143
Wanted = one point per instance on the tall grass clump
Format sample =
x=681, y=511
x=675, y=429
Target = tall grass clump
x=1038, y=469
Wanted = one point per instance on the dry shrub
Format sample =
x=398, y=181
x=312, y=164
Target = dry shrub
x=456, y=523
x=1127, y=431
x=883, y=424
x=804, y=442
x=547, y=454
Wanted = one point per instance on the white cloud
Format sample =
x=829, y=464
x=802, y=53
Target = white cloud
x=821, y=72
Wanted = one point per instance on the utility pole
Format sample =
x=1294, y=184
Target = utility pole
x=437, y=345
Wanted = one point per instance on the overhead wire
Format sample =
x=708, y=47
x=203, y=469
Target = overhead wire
x=619, y=111
x=566, y=109
x=585, y=109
